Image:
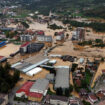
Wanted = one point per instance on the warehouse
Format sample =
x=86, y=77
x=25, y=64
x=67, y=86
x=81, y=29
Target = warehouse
x=25, y=91
x=30, y=63
x=40, y=86
x=62, y=78
x=34, y=71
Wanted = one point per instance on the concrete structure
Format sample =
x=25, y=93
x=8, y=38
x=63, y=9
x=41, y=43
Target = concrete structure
x=62, y=78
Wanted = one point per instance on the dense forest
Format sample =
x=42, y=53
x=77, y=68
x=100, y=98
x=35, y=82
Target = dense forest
x=86, y=7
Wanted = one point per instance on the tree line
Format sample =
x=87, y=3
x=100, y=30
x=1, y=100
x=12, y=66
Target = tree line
x=7, y=81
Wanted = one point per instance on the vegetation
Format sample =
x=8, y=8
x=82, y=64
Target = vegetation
x=85, y=103
x=54, y=27
x=25, y=24
x=96, y=26
x=7, y=81
x=74, y=66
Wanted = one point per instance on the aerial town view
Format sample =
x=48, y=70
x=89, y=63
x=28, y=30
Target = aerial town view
x=52, y=52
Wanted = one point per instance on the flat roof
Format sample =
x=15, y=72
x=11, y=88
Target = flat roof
x=39, y=85
x=62, y=78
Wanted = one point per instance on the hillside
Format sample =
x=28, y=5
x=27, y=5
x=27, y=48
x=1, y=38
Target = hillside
x=62, y=6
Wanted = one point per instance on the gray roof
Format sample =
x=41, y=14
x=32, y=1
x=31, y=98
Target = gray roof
x=50, y=76
x=40, y=85
x=62, y=78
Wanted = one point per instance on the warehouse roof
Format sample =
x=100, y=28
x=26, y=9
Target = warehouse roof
x=62, y=78
x=25, y=88
x=40, y=85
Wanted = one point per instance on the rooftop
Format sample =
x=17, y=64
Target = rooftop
x=62, y=78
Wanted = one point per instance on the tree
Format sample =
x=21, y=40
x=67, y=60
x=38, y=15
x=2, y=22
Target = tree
x=67, y=92
x=85, y=103
x=102, y=59
x=16, y=76
x=59, y=91
x=71, y=88
x=25, y=24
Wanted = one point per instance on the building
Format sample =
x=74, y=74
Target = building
x=79, y=34
x=40, y=86
x=62, y=78
x=50, y=77
x=26, y=37
x=34, y=47
x=23, y=48
x=39, y=32
x=45, y=39
x=58, y=100
x=30, y=47
x=60, y=36
x=33, y=91
x=2, y=59
x=93, y=98
x=3, y=99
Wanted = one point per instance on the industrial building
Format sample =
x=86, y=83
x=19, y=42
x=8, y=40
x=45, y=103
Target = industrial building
x=62, y=78
x=30, y=47
x=40, y=86
x=30, y=64
x=34, y=91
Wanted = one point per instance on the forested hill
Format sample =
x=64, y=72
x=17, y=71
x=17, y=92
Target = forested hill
x=44, y=6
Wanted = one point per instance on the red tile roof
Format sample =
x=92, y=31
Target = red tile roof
x=25, y=44
x=93, y=97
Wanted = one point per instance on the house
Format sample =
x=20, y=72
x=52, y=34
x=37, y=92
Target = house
x=100, y=95
x=93, y=98
x=62, y=78
x=3, y=99
x=59, y=36
x=39, y=32
x=45, y=39
x=58, y=100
